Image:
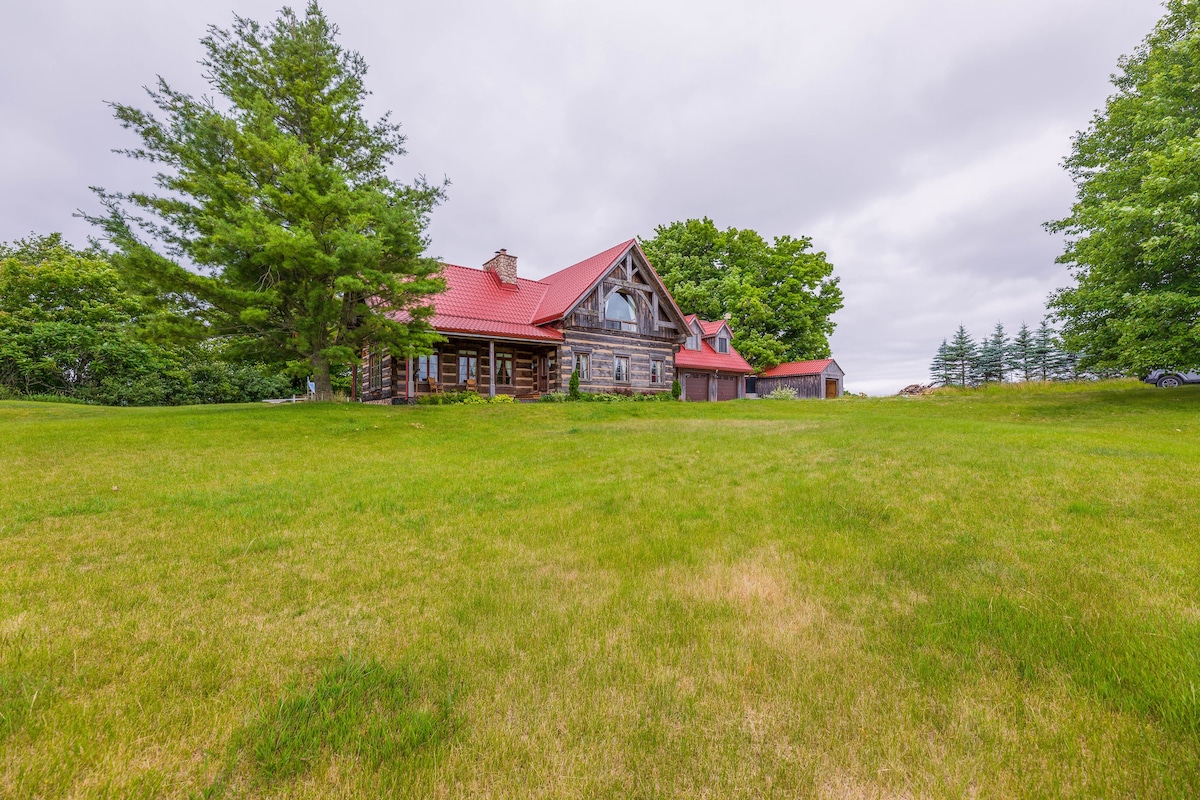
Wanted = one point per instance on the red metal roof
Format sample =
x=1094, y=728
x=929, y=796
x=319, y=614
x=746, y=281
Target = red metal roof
x=564, y=287
x=477, y=302
x=797, y=368
x=711, y=328
x=708, y=358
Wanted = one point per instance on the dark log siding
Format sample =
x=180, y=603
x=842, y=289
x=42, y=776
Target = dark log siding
x=393, y=378
x=583, y=330
x=395, y=371
x=604, y=346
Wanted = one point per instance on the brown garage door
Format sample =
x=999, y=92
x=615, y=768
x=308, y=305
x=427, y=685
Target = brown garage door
x=727, y=387
x=697, y=387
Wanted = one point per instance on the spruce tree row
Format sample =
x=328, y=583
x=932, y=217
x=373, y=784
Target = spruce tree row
x=1029, y=356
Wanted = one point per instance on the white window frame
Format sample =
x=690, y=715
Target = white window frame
x=427, y=367
x=617, y=359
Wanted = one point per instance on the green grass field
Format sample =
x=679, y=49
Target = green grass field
x=992, y=594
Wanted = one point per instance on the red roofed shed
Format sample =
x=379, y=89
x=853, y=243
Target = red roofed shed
x=822, y=379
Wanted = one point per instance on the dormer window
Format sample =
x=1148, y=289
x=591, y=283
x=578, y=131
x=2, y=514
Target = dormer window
x=619, y=313
x=722, y=344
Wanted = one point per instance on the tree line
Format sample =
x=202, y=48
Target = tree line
x=70, y=328
x=1029, y=355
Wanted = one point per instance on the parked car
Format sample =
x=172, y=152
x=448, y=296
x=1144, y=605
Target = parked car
x=1166, y=379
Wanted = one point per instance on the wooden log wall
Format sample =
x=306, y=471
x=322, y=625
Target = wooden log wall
x=603, y=347
x=524, y=380
x=808, y=387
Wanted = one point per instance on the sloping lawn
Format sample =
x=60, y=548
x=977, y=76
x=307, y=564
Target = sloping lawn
x=989, y=595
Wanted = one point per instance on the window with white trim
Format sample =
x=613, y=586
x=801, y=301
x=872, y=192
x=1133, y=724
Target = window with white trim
x=620, y=313
x=722, y=344
x=427, y=367
x=468, y=365
x=621, y=369
x=583, y=366
x=504, y=368
x=657, y=370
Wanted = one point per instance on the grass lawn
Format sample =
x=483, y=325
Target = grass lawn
x=992, y=594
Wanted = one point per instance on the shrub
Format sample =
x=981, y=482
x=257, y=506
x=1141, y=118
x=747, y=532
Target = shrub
x=52, y=398
x=783, y=393
x=462, y=398
x=573, y=386
x=441, y=399
x=676, y=389
x=627, y=397
x=554, y=397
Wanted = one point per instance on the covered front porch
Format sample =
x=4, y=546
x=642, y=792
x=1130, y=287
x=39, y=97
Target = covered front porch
x=490, y=366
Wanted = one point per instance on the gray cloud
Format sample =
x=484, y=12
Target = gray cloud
x=917, y=142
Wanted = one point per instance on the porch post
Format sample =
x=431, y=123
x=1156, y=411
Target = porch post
x=410, y=386
x=491, y=368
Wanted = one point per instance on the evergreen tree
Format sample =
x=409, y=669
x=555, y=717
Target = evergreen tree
x=1021, y=353
x=961, y=357
x=1047, y=357
x=942, y=369
x=277, y=223
x=993, y=356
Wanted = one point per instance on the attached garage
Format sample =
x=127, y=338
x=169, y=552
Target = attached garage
x=695, y=387
x=708, y=387
x=727, y=387
x=708, y=365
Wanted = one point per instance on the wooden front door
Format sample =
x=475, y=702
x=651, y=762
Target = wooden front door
x=831, y=388
x=541, y=369
x=697, y=387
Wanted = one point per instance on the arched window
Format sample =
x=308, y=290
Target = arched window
x=619, y=312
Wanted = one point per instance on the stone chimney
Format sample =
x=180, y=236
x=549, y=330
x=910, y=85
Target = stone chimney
x=504, y=265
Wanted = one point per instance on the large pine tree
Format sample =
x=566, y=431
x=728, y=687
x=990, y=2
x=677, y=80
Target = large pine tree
x=277, y=222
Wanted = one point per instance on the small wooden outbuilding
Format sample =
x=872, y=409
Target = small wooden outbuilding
x=812, y=380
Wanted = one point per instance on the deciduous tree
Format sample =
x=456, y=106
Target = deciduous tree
x=779, y=295
x=68, y=327
x=1133, y=235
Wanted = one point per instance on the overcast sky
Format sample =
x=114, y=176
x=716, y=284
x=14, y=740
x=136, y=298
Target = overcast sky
x=918, y=142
